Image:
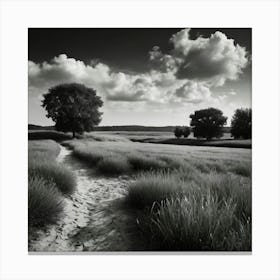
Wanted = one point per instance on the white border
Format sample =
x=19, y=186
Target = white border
x=17, y=16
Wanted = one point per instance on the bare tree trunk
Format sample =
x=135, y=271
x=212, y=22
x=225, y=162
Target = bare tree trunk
x=74, y=134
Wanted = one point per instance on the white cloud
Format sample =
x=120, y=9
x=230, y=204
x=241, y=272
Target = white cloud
x=213, y=60
x=232, y=92
x=193, y=92
x=152, y=86
x=185, y=76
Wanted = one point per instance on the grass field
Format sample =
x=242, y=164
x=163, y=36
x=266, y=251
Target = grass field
x=47, y=182
x=168, y=138
x=185, y=197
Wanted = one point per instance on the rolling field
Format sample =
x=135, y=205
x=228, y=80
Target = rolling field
x=173, y=197
x=169, y=138
x=185, y=198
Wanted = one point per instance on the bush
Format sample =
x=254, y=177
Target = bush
x=186, y=131
x=62, y=177
x=44, y=202
x=178, y=132
x=113, y=165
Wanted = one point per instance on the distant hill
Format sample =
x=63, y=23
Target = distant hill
x=39, y=127
x=120, y=128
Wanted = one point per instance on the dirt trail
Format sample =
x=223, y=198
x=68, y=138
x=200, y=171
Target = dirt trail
x=93, y=219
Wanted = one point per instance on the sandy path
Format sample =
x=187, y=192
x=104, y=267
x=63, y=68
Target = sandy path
x=93, y=219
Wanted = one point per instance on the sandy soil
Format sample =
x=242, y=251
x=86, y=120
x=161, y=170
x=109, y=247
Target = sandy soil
x=93, y=219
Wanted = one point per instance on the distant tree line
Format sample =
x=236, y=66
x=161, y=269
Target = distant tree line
x=74, y=107
x=209, y=123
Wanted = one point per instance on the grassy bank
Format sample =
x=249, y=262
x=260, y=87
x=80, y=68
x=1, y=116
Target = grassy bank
x=47, y=183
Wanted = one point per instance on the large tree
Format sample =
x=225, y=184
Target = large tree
x=73, y=107
x=208, y=123
x=241, y=123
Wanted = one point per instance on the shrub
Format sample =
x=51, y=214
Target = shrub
x=44, y=202
x=113, y=165
x=178, y=132
x=186, y=131
x=62, y=177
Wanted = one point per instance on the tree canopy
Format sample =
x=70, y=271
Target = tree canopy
x=208, y=123
x=180, y=131
x=73, y=107
x=241, y=123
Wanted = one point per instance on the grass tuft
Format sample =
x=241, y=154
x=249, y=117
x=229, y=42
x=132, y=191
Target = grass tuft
x=44, y=202
x=113, y=165
x=199, y=223
x=63, y=178
x=207, y=212
x=143, y=163
x=151, y=188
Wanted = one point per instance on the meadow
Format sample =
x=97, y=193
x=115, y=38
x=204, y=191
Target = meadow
x=48, y=182
x=185, y=198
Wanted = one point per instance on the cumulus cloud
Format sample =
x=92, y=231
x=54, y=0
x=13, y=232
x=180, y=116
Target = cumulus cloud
x=193, y=92
x=112, y=86
x=184, y=76
x=213, y=60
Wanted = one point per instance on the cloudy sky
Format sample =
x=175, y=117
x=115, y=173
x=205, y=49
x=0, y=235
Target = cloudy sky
x=145, y=76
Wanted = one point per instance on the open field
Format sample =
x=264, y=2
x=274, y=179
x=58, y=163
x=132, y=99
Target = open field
x=186, y=198
x=156, y=137
x=159, y=137
x=159, y=196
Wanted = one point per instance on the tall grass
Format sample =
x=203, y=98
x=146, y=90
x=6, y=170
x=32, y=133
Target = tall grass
x=47, y=182
x=151, y=188
x=202, y=212
x=144, y=163
x=45, y=203
x=184, y=199
x=113, y=165
x=199, y=223
x=62, y=177
x=146, y=157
